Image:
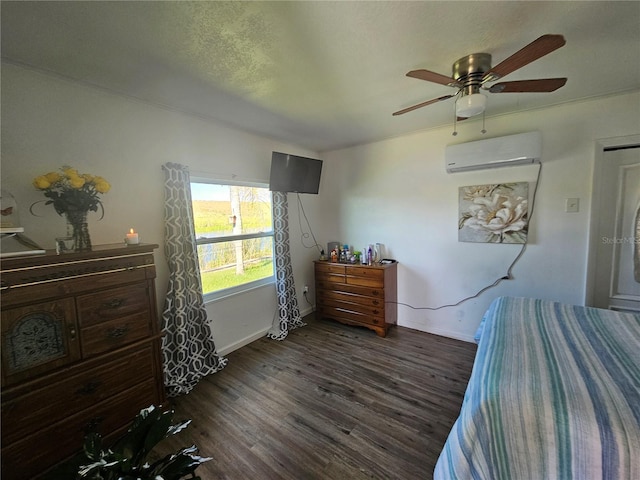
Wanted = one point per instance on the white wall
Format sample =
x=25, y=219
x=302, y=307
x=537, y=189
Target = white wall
x=397, y=192
x=48, y=122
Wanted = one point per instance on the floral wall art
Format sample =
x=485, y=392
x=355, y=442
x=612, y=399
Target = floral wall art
x=494, y=213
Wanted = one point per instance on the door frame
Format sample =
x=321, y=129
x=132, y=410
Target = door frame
x=598, y=165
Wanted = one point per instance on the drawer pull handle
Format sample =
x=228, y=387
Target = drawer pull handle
x=92, y=425
x=376, y=302
x=88, y=388
x=376, y=311
x=117, y=332
x=115, y=303
x=375, y=292
x=72, y=332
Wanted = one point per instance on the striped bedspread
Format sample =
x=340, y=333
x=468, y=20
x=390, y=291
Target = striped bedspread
x=554, y=394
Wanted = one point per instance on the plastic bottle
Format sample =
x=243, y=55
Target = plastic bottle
x=369, y=257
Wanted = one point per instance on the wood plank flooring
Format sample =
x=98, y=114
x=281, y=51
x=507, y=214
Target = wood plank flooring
x=329, y=402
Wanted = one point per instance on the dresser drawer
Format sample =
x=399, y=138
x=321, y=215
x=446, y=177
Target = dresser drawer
x=114, y=333
x=72, y=393
x=366, y=272
x=324, y=286
x=370, y=301
x=368, y=277
x=112, y=303
x=24, y=459
x=329, y=277
x=338, y=313
x=369, y=311
x=327, y=267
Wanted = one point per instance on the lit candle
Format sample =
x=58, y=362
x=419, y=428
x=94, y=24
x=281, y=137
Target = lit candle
x=132, y=238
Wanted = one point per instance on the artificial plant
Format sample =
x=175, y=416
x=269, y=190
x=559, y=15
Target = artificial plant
x=126, y=459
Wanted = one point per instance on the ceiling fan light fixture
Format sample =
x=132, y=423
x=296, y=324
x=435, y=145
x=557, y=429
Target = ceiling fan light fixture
x=471, y=105
x=472, y=72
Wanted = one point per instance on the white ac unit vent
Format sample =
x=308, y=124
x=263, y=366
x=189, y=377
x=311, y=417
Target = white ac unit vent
x=523, y=148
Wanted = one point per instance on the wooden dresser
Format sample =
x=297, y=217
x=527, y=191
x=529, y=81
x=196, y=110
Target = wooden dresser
x=80, y=351
x=357, y=294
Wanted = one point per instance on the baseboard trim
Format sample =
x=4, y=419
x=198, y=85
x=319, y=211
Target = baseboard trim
x=455, y=335
x=306, y=311
x=254, y=336
x=244, y=341
x=443, y=333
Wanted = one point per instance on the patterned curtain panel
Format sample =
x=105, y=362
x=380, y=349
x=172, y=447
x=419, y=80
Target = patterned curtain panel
x=188, y=349
x=636, y=247
x=288, y=316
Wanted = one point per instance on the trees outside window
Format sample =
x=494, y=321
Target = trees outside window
x=234, y=232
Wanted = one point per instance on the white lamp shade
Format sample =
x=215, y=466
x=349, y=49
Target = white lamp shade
x=470, y=105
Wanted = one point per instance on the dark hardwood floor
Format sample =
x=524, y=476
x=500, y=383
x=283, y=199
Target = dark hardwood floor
x=329, y=402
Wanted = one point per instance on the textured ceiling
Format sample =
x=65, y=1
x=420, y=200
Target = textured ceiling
x=323, y=75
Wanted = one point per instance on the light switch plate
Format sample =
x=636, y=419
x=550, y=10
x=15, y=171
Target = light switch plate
x=572, y=205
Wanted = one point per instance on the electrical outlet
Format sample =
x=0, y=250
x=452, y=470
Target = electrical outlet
x=305, y=289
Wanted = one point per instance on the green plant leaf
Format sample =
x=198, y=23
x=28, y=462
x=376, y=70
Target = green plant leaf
x=126, y=459
x=174, y=467
x=132, y=444
x=93, y=446
x=94, y=469
x=158, y=430
x=175, y=429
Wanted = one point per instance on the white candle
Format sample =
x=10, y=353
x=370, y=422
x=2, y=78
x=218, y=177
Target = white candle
x=132, y=238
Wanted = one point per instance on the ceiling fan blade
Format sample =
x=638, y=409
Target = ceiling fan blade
x=541, y=85
x=423, y=104
x=434, y=77
x=536, y=49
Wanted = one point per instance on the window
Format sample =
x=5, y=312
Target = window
x=234, y=232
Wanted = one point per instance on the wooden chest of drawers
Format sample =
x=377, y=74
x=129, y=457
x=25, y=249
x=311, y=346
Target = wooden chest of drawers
x=80, y=351
x=357, y=294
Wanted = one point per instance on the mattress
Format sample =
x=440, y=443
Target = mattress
x=554, y=394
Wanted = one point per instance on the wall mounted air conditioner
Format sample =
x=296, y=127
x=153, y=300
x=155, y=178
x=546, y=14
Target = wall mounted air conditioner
x=520, y=149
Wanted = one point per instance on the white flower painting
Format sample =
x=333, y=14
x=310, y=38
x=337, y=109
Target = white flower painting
x=496, y=213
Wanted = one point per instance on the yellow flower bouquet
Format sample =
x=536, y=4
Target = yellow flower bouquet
x=73, y=195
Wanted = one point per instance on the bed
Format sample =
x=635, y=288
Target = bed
x=554, y=394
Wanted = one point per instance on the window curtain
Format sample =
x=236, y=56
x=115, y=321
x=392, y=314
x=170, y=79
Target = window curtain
x=288, y=315
x=188, y=349
x=636, y=247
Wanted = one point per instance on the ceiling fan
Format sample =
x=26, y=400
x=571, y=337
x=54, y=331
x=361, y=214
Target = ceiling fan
x=471, y=73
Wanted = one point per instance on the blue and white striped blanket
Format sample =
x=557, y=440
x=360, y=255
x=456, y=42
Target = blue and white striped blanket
x=554, y=394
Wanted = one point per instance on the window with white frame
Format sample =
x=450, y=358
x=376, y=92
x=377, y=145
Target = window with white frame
x=234, y=235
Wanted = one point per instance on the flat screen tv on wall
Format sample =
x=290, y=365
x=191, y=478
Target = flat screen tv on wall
x=291, y=173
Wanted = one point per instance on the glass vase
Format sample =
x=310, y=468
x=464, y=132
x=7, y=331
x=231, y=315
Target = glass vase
x=78, y=230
